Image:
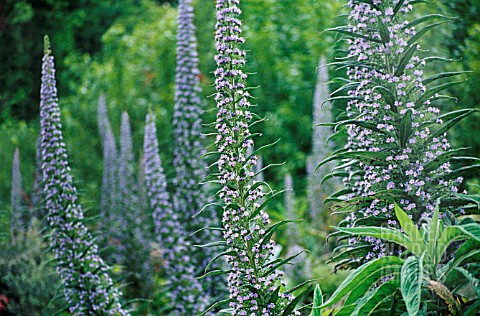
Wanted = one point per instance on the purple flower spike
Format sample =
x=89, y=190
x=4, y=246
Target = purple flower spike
x=88, y=288
x=251, y=279
x=17, y=214
x=186, y=292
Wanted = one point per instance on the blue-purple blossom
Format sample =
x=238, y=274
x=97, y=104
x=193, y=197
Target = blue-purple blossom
x=388, y=89
x=133, y=235
x=108, y=202
x=185, y=291
x=87, y=286
x=17, y=216
x=245, y=224
x=321, y=147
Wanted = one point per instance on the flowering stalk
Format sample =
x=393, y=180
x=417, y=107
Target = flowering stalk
x=397, y=147
x=321, y=147
x=108, y=203
x=17, y=220
x=254, y=282
x=186, y=292
x=133, y=234
x=87, y=286
x=189, y=196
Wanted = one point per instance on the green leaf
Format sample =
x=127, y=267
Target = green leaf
x=441, y=159
x=411, y=284
x=225, y=253
x=291, y=307
x=386, y=234
x=449, y=124
x=432, y=91
x=211, y=273
x=442, y=75
x=375, y=298
x=215, y=305
x=317, y=301
x=456, y=233
x=469, y=251
x=425, y=19
x=369, y=157
x=405, y=129
x=343, y=30
x=279, y=264
x=405, y=60
x=420, y=33
x=387, y=95
x=359, y=281
x=398, y=7
x=416, y=240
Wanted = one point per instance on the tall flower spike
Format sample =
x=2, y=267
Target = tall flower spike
x=87, y=286
x=134, y=240
x=38, y=195
x=186, y=293
x=321, y=148
x=190, y=196
x=396, y=143
x=251, y=279
x=17, y=220
x=108, y=203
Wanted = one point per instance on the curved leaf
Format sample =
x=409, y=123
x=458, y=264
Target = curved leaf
x=386, y=234
x=411, y=284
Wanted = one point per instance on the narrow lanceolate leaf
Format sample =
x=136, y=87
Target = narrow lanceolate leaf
x=376, y=298
x=386, y=234
x=86, y=283
x=362, y=279
x=317, y=301
x=456, y=233
x=405, y=129
x=411, y=284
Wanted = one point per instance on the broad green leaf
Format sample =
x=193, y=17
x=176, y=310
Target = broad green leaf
x=416, y=240
x=375, y=298
x=386, y=234
x=411, y=284
x=474, y=281
x=360, y=280
x=434, y=234
x=456, y=233
x=317, y=301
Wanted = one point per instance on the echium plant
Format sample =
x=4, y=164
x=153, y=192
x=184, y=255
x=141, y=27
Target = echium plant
x=134, y=232
x=397, y=147
x=185, y=290
x=189, y=196
x=108, y=202
x=254, y=280
x=17, y=210
x=88, y=288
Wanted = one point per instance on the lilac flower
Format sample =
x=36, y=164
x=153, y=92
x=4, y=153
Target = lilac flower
x=133, y=235
x=385, y=38
x=17, y=216
x=321, y=148
x=190, y=196
x=250, y=281
x=108, y=203
x=185, y=290
x=88, y=288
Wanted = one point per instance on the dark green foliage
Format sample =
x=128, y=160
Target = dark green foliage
x=27, y=277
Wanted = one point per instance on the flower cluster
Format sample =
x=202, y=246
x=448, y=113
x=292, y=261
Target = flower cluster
x=189, y=196
x=185, y=290
x=87, y=286
x=252, y=279
x=17, y=223
x=397, y=119
x=321, y=148
x=133, y=235
x=108, y=203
